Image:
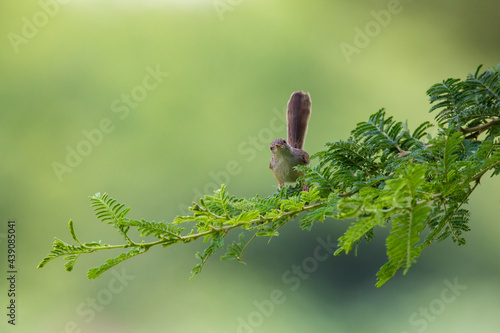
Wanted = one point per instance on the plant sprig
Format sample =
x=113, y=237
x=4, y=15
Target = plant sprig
x=383, y=175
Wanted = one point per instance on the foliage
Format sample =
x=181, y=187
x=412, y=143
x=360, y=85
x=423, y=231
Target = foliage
x=383, y=175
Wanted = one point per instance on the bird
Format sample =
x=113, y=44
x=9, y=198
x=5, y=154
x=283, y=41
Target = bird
x=287, y=154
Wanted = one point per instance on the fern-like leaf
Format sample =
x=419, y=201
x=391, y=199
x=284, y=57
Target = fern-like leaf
x=110, y=263
x=448, y=95
x=235, y=250
x=107, y=209
x=401, y=249
x=379, y=131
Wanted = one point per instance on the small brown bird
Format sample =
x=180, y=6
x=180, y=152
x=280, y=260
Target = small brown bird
x=287, y=155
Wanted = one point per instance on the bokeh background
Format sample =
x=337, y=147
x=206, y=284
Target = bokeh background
x=232, y=65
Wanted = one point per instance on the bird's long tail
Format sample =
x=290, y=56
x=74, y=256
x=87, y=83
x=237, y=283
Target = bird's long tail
x=297, y=118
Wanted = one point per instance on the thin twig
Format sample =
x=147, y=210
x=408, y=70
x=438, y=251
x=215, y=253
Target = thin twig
x=480, y=128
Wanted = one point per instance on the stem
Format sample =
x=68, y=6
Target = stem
x=477, y=177
x=265, y=220
x=189, y=238
x=438, y=229
x=245, y=247
x=480, y=128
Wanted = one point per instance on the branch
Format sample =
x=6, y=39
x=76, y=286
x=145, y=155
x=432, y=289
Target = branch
x=435, y=232
x=381, y=176
x=261, y=220
x=480, y=128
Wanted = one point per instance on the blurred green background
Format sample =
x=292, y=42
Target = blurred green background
x=231, y=66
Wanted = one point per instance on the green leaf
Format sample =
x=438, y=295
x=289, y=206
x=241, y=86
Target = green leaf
x=157, y=229
x=356, y=231
x=107, y=209
x=405, y=234
x=71, y=259
x=319, y=214
x=380, y=131
x=110, y=263
x=235, y=250
x=310, y=196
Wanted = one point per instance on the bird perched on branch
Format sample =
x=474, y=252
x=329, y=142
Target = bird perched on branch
x=286, y=154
